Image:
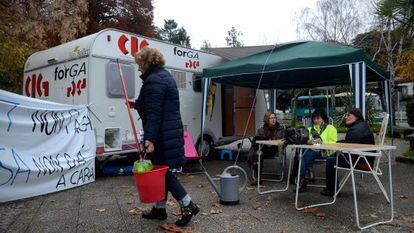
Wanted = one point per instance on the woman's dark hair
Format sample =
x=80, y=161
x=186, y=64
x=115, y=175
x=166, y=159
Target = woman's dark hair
x=321, y=113
x=356, y=112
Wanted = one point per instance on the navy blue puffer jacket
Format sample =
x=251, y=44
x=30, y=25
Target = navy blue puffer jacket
x=158, y=105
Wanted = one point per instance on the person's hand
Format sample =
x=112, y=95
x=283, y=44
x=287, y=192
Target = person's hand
x=131, y=103
x=149, y=146
x=317, y=141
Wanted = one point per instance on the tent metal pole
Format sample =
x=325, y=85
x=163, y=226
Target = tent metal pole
x=274, y=100
x=391, y=111
x=203, y=112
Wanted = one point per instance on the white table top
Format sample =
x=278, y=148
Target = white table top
x=278, y=142
x=345, y=147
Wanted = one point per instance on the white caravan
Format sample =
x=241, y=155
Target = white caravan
x=84, y=71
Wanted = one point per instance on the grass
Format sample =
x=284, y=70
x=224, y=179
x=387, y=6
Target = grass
x=409, y=154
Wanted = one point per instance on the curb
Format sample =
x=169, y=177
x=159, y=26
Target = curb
x=403, y=159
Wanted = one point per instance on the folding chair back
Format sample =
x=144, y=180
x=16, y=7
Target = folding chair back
x=383, y=129
x=381, y=139
x=190, y=151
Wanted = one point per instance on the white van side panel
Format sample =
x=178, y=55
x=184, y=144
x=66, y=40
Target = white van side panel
x=63, y=83
x=190, y=108
x=112, y=112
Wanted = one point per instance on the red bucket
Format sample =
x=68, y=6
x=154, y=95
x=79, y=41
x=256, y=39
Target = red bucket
x=151, y=184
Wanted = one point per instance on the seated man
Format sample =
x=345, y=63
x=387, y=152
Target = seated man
x=358, y=132
x=271, y=130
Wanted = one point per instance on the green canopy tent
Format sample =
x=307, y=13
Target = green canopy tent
x=302, y=65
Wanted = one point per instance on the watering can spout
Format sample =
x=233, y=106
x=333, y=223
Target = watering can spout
x=213, y=183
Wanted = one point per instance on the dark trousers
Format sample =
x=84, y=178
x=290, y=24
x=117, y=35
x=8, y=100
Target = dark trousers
x=307, y=160
x=330, y=169
x=174, y=186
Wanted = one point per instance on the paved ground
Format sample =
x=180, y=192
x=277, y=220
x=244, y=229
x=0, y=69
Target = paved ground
x=105, y=206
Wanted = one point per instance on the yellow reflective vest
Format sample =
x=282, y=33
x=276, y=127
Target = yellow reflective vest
x=329, y=135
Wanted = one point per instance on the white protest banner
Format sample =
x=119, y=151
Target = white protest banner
x=44, y=147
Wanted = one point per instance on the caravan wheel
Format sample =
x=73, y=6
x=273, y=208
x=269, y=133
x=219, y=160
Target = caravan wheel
x=205, y=147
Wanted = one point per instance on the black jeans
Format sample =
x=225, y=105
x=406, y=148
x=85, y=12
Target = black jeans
x=330, y=170
x=173, y=185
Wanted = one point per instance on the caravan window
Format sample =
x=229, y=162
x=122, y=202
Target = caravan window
x=113, y=83
x=179, y=77
x=197, y=83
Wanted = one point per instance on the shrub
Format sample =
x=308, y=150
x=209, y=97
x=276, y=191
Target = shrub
x=410, y=112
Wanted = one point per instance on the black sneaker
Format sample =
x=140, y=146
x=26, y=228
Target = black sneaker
x=160, y=214
x=187, y=213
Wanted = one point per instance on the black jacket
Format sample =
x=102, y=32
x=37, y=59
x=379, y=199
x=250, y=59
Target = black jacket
x=158, y=105
x=359, y=132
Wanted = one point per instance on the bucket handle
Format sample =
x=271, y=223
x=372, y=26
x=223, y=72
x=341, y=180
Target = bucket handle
x=243, y=187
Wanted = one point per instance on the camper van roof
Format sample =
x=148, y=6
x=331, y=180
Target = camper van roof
x=105, y=43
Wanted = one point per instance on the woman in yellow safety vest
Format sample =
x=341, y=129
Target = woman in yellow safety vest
x=320, y=132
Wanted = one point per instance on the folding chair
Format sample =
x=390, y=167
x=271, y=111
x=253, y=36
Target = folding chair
x=381, y=139
x=190, y=151
x=373, y=170
x=282, y=165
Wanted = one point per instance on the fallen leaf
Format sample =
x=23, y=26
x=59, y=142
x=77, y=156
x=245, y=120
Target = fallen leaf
x=129, y=194
x=168, y=227
x=171, y=202
x=100, y=210
x=176, y=213
x=201, y=186
x=250, y=188
x=258, y=207
x=320, y=215
x=373, y=216
x=216, y=205
x=243, y=217
x=135, y=211
x=403, y=197
x=191, y=177
x=300, y=203
x=407, y=218
x=309, y=210
x=216, y=211
x=204, y=214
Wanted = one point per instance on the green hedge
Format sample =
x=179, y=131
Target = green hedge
x=409, y=154
x=410, y=112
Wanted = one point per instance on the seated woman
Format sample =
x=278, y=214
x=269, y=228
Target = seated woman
x=271, y=130
x=319, y=132
x=358, y=132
